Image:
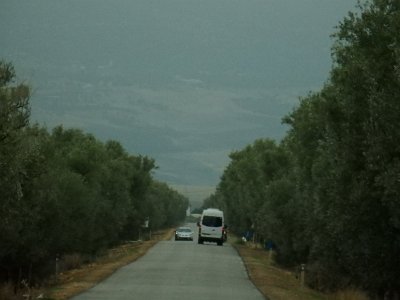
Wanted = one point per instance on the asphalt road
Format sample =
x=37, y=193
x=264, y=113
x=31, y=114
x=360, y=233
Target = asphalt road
x=179, y=270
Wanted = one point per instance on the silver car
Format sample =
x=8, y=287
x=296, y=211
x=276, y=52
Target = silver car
x=184, y=233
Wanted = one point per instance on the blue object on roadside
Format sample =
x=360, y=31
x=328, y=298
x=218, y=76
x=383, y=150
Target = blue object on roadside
x=269, y=245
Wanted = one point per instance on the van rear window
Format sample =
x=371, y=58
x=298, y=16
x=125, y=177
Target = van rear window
x=212, y=221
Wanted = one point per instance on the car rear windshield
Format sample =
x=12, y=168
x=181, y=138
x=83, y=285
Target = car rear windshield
x=185, y=230
x=211, y=221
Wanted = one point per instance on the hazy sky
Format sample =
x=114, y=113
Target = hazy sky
x=183, y=81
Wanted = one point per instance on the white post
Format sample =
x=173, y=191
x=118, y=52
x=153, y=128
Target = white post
x=302, y=274
x=57, y=268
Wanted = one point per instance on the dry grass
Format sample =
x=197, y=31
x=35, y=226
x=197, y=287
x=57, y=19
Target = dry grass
x=279, y=284
x=275, y=283
x=76, y=281
x=7, y=291
x=350, y=294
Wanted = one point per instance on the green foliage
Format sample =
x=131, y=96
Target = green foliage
x=65, y=192
x=359, y=149
x=328, y=195
x=14, y=154
x=167, y=206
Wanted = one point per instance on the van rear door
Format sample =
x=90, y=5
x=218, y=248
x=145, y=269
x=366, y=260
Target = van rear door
x=211, y=227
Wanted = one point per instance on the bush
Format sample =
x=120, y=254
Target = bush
x=322, y=278
x=7, y=291
x=72, y=261
x=350, y=294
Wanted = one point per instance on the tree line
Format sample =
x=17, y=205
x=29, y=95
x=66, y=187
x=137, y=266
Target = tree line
x=328, y=193
x=65, y=192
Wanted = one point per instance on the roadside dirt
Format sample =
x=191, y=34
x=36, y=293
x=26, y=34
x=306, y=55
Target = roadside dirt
x=273, y=282
x=279, y=284
x=76, y=281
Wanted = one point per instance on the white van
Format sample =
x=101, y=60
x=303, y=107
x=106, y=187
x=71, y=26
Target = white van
x=211, y=226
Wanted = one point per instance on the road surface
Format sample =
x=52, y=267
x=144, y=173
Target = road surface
x=179, y=270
